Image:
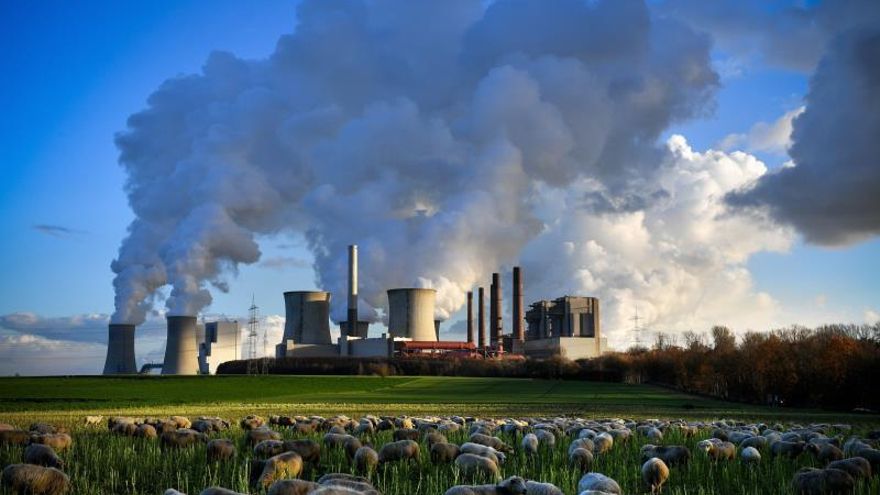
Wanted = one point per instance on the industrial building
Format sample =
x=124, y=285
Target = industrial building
x=568, y=326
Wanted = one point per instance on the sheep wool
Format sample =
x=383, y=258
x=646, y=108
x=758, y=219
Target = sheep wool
x=284, y=465
x=220, y=449
x=444, y=453
x=750, y=455
x=292, y=487
x=530, y=444
x=510, y=486
x=655, y=473
x=34, y=480
x=537, y=488
x=598, y=482
x=472, y=464
x=399, y=451
x=42, y=455
x=366, y=459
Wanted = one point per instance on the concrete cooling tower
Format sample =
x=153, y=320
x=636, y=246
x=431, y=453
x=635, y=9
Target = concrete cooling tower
x=181, y=347
x=411, y=314
x=307, y=317
x=120, y=350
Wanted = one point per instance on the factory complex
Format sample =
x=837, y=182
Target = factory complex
x=567, y=326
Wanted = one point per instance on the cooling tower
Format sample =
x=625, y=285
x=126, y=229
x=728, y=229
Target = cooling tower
x=120, y=350
x=411, y=313
x=307, y=317
x=181, y=347
x=517, y=312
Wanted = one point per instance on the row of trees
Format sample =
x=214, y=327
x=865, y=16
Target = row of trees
x=832, y=366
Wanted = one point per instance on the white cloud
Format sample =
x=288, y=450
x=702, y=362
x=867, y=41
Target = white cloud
x=773, y=137
x=872, y=316
x=29, y=354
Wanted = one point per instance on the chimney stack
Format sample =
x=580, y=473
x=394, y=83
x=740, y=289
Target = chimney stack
x=470, y=317
x=481, y=320
x=352, y=324
x=496, y=328
x=518, y=331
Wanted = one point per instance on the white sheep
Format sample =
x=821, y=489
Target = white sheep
x=530, y=444
x=750, y=455
x=655, y=473
x=538, y=488
x=511, y=486
x=471, y=464
x=483, y=450
x=598, y=482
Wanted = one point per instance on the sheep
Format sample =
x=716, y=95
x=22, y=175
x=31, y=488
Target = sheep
x=351, y=446
x=251, y=422
x=483, y=450
x=538, y=488
x=172, y=491
x=292, y=487
x=546, y=437
x=598, y=482
x=758, y=442
x=494, y=442
x=825, y=453
x=145, y=431
x=443, y=453
x=268, y=448
x=216, y=490
x=872, y=456
x=857, y=467
x=603, y=443
x=58, y=441
x=181, y=438
x=721, y=451
x=582, y=443
x=284, y=465
x=308, y=449
x=581, y=459
x=530, y=444
x=220, y=449
x=750, y=455
x=405, y=434
x=472, y=464
x=787, y=449
x=344, y=484
x=653, y=434
x=510, y=486
x=43, y=428
x=812, y=481
x=398, y=451
x=672, y=455
x=93, y=420
x=124, y=429
x=257, y=435
x=15, y=437
x=42, y=455
x=112, y=421
x=655, y=473
x=332, y=440
x=181, y=421
x=366, y=459
x=853, y=446
x=34, y=480
x=434, y=437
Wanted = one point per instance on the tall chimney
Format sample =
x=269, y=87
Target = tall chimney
x=470, y=317
x=497, y=327
x=481, y=319
x=491, y=327
x=352, y=290
x=518, y=330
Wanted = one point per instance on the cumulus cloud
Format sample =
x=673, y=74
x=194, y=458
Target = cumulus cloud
x=831, y=193
x=773, y=137
x=429, y=147
x=81, y=328
x=29, y=354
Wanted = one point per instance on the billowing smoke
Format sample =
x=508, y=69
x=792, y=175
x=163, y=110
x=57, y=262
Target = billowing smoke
x=441, y=137
x=832, y=194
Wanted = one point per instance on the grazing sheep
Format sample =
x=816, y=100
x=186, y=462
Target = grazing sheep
x=257, y=435
x=181, y=438
x=405, y=434
x=758, y=442
x=399, y=451
x=581, y=459
x=598, y=482
x=483, y=450
x=511, y=486
x=653, y=434
x=112, y=421
x=825, y=453
x=251, y=422
x=546, y=437
x=366, y=459
x=124, y=429
x=43, y=428
x=434, y=437
x=15, y=437
x=268, y=448
x=145, y=431
x=603, y=443
x=308, y=449
x=857, y=467
x=787, y=449
x=42, y=455
x=93, y=420
x=332, y=440
x=216, y=490
x=672, y=455
x=537, y=488
x=284, y=465
x=344, y=484
x=655, y=473
x=721, y=451
x=530, y=444
x=172, y=491
x=750, y=455
x=181, y=421
x=494, y=442
x=351, y=446
x=582, y=443
x=472, y=464
x=873, y=456
x=443, y=453
x=34, y=480
x=812, y=481
x=220, y=449
x=58, y=441
x=292, y=487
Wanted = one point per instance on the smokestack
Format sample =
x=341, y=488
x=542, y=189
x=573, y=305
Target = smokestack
x=518, y=316
x=492, y=311
x=181, y=347
x=307, y=317
x=470, y=317
x=496, y=327
x=352, y=325
x=120, y=350
x=411, y=313
x=481, y=319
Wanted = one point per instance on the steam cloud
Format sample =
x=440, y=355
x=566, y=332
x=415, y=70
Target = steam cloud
x=448, y=140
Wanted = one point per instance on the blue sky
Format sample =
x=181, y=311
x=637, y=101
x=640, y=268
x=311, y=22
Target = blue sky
x=74, y=72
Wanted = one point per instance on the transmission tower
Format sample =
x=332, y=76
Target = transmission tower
x=637, y=329
x=264, y=368
x=253, y=327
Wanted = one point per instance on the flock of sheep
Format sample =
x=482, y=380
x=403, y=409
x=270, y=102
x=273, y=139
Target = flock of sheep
x=277, y=464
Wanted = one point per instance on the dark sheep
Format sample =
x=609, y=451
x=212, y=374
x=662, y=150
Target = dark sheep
x=181, y=438
x=399, y=451
x=873, y=456
x=308, y=449
x=351, y=446
x=58, y=441
x=405, y=434
x=43, y=428
x=857, y=467
x=443, y=453
x=257, y=435
x=825, y=453
x=268, y=448
x=787, y=449
x=145, y=431
x=292, y=487
x=34, y=480
x=42, y=455
x=15, y=437
x=582, y=459
x=220, y=449
x=433, y=437
x=757, y=442
x=366, y=459
x=332, y=440
x=124, y=429
x=671, y=455
x=812, y=481
x=216, y=490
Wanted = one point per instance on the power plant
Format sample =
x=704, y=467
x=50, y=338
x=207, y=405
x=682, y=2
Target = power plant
x=568, y=326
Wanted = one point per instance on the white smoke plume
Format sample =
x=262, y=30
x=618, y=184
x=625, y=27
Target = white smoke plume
x=443, y=138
